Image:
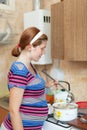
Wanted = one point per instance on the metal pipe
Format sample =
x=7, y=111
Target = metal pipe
x=36, y=4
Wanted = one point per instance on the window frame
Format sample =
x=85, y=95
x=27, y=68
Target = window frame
x=9, y=6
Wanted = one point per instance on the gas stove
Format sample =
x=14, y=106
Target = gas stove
x=51, y=119
x=51, y=123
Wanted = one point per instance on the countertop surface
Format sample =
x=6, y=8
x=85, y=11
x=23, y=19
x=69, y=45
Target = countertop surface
x=78, y=124
x=4, y=102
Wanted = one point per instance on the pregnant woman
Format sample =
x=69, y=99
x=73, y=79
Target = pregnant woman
x=27, y=103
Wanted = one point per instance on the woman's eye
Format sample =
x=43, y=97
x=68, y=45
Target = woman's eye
x=42, y=49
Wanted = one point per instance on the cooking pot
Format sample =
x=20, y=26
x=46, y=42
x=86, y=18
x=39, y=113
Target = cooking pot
x=65, y=111
x=63, y=95
x=60, y=95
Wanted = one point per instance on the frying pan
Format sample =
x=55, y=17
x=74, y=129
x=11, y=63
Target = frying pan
x=82, y=104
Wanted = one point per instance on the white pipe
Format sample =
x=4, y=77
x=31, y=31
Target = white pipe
x=36, y=4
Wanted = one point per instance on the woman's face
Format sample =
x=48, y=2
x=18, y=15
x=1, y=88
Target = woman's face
x=37, y=52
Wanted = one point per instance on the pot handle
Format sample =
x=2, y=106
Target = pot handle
x=60, y=81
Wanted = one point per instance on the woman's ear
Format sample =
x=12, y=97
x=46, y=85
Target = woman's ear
x=28, y=47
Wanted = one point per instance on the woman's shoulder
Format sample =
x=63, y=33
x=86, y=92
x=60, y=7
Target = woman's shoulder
x=18, y=67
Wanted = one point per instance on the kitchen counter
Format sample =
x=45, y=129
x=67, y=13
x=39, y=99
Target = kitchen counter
x=4, y=102
x=78, y=124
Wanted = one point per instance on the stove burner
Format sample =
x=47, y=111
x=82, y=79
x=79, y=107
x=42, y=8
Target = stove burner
x=64, y=124
x=51, y=119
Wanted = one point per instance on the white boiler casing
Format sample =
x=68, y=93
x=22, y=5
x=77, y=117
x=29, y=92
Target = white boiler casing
x=41, y=19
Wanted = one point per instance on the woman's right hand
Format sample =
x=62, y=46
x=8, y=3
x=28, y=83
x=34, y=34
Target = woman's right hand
x=52, y=83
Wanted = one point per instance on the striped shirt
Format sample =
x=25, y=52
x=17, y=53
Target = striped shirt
x=33, y=109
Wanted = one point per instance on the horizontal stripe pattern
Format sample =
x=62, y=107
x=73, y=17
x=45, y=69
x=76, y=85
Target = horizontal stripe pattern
x=19, y=80
x=37, y=111
x=33, y=109
x=8, y=125
x=34, y=100
x=33, y=93
x=32, y=117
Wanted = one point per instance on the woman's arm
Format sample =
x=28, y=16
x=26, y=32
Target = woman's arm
x=16, y=95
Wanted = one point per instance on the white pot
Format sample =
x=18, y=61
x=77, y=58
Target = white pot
x=64, y=111
x=63, y=95
x=60, y=96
